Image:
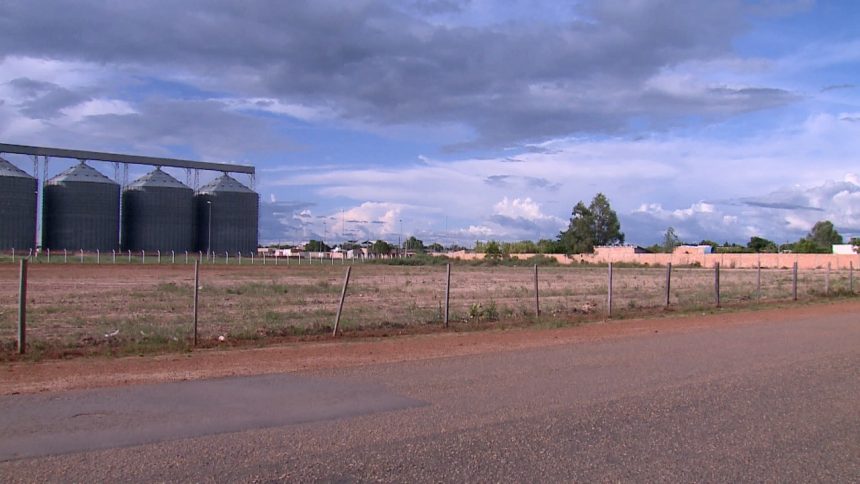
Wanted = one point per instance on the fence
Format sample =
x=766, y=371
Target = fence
x=140, y=306
x=172, y=257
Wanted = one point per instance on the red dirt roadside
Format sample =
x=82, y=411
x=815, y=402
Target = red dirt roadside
x=30, y=377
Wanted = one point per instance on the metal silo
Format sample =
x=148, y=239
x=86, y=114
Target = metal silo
x=17, y=208
x=157, y=214
x=80, y=211
x=227, y=214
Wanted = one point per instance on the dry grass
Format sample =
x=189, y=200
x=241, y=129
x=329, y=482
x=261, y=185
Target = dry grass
x=73, y=307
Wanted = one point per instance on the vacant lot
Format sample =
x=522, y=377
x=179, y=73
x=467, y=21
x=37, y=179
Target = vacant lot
x=77, y=308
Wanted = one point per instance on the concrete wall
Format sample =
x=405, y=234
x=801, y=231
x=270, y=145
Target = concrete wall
x=749, y=261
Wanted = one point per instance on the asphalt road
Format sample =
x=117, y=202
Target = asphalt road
x=747, y=403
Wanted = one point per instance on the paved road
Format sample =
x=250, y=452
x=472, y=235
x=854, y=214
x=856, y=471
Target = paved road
x=759, y=402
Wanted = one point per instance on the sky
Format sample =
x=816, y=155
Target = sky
x=462, y=120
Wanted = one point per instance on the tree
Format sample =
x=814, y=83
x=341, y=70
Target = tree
x=381, y=247
x=759, y=244
x=819, y=240
x=316, y=246
x=548, y=246
x=435, y=247
x=521, y=247
x=596, y=224
x=713, y=244
x=415, y=244
x=607, y=228
x=824, y=235
x=493, y=250
x=578, y=237
x=670, y=240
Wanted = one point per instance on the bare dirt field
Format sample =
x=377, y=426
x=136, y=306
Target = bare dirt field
x=76, y=309
x=58, y=375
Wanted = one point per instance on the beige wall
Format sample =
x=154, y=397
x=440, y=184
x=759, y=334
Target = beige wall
x=804, y=261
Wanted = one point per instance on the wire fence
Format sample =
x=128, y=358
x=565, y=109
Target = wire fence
x=122, y=307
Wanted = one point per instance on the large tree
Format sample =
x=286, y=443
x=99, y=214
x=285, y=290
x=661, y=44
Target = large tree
x=670, y=240
x=824, y=235
x=820, y=239
x=381, y=247
x=596, y=224
x=759, y=244
x=414, y=244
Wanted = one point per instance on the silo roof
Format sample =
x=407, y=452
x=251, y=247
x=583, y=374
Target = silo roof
x=81, y=173
x=224, y=183
x=8, y=169
x=159, y=179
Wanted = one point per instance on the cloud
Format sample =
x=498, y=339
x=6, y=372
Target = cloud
x=783, y=215
x=510, y=74
x=43, y=100
x=517, y=218
x=835, y=87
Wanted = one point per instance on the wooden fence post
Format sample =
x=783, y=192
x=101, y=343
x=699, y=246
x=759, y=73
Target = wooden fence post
x=717, y=284
x=22, y=307
x=342, y=297
x=609, y=294
x=447, y=291
x=794, y=282
x=668, y=282
x=758, y=280
x=537, y=293
x=196, y=296
x=827, y=281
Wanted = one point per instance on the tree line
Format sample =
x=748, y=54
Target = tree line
x=820, y=240
x=597, y=224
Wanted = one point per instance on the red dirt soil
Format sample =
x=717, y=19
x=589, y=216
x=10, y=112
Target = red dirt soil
x=30, y=377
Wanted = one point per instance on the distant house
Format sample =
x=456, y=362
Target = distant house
x=618, y=250
x=846, y=249
x=692, y=249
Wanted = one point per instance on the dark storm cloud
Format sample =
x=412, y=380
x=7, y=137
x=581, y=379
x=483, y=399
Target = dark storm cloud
x=435, y=7
x=44, y=100
x=504, y=181
x=204, y=126
x=836, y=87
x=518, y=223
x=384, y=63
x=497, y=180
x=780, y=205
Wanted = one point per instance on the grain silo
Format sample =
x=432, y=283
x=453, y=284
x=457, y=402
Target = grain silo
x=227, y=214
x=17, y=208
x=80, y=211
x=157, y=214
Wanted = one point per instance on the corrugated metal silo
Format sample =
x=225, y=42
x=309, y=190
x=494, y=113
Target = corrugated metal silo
x=233, y=210
x=17, y=208
x=80, y=211
x=157, y=214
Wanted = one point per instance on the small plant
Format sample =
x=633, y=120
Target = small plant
x=479, y=312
